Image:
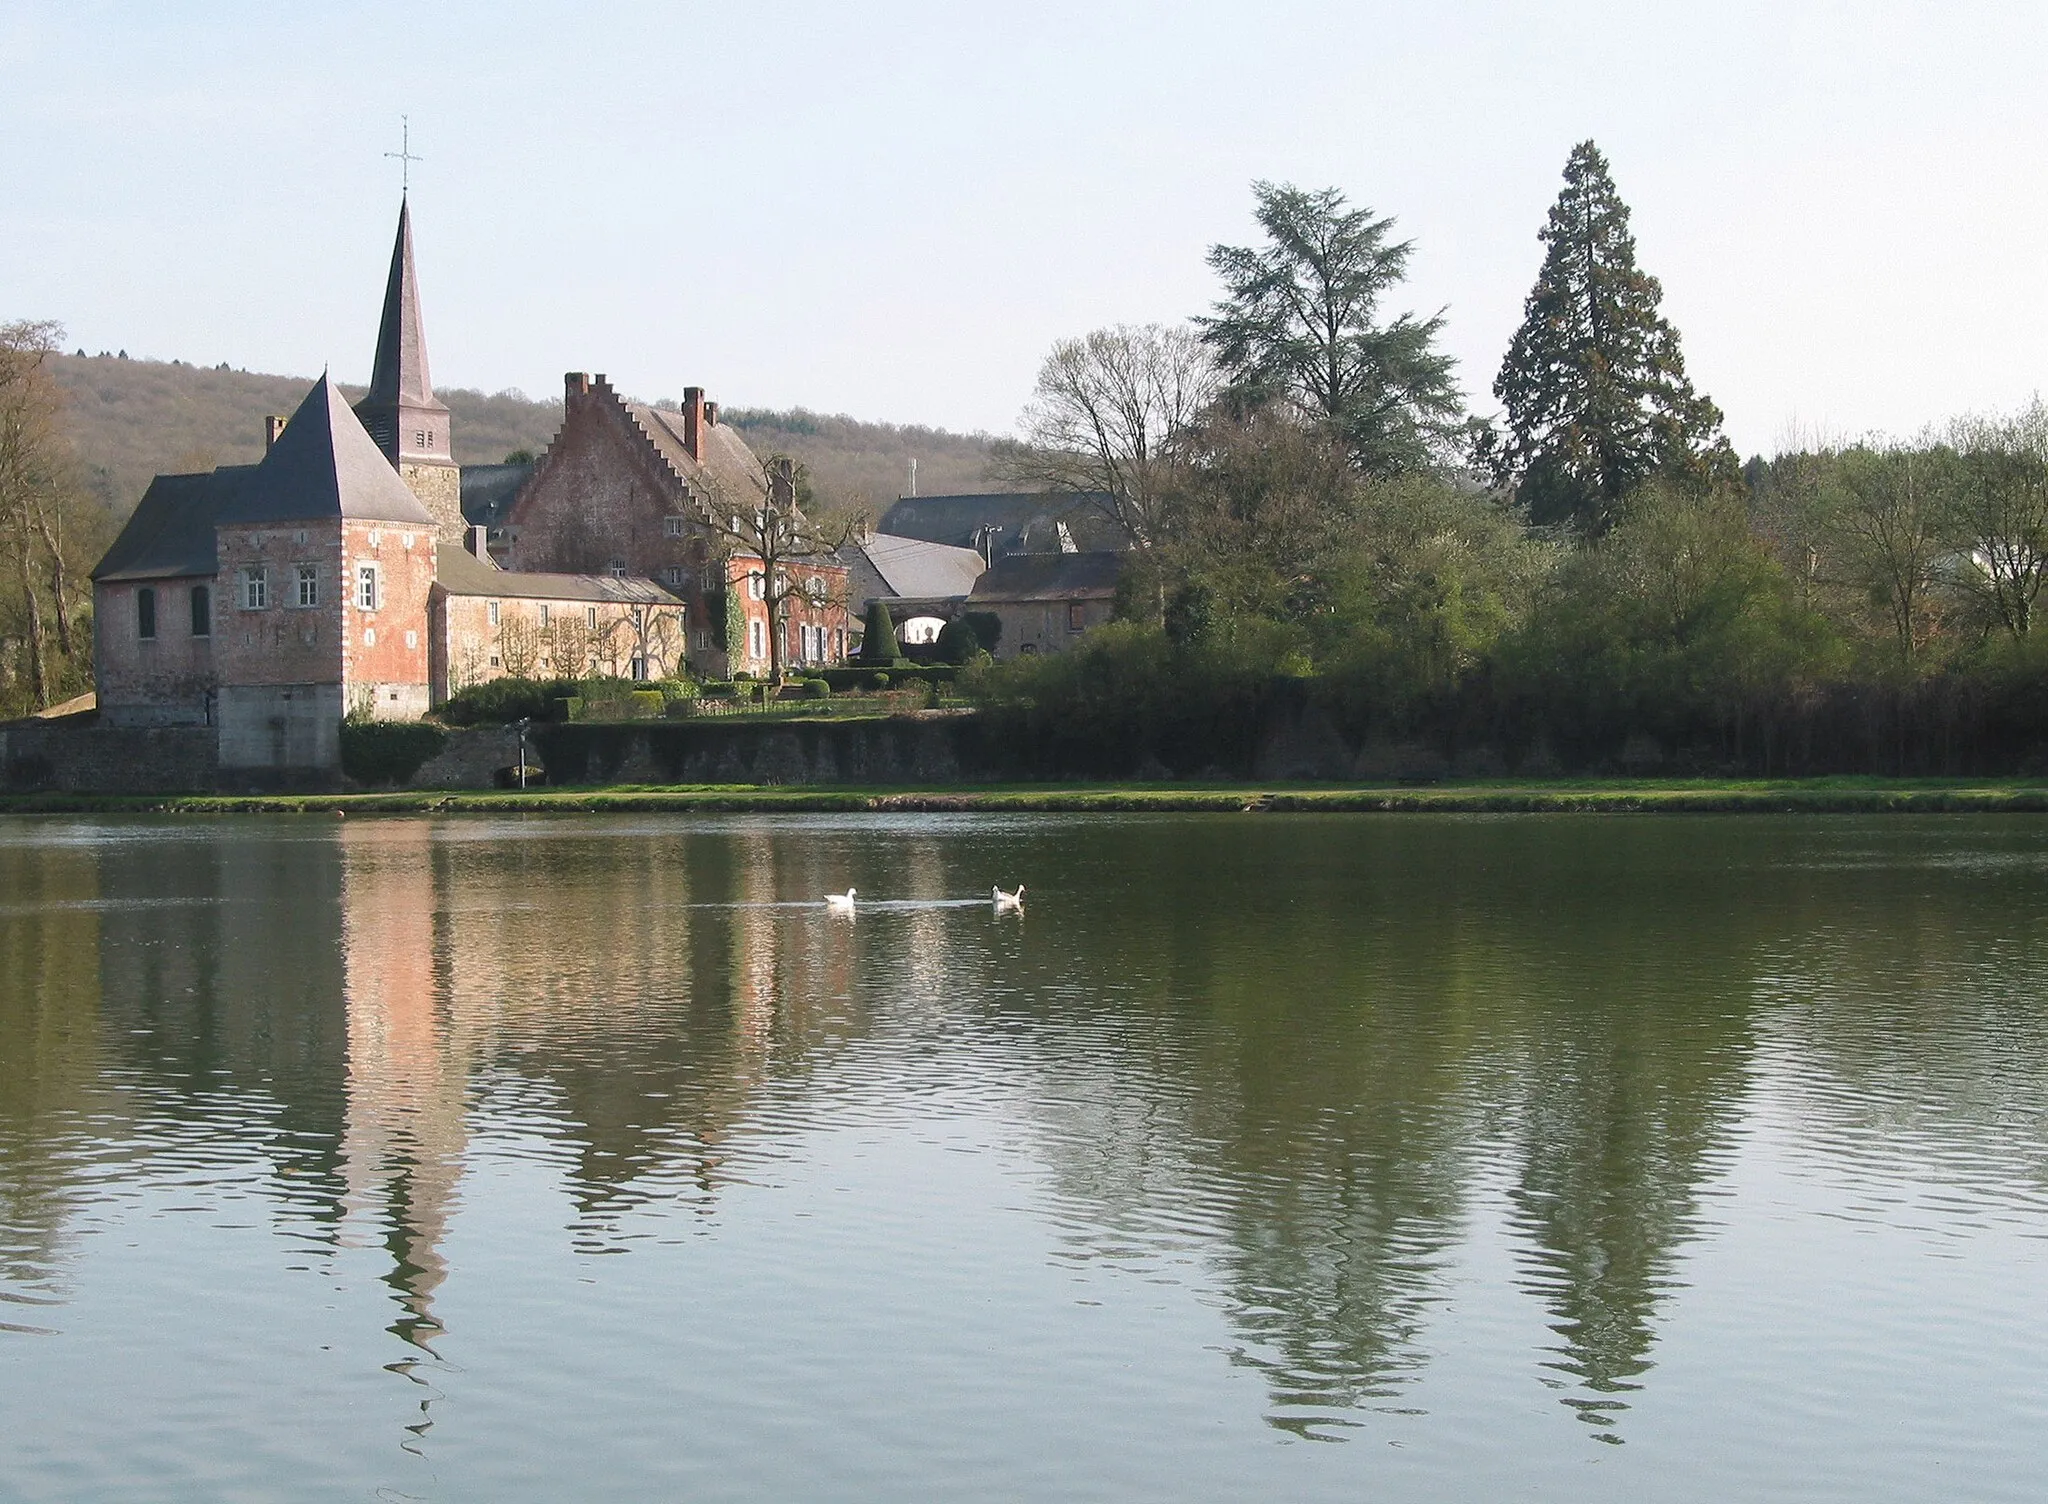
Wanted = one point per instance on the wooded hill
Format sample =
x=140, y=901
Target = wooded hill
x=133, y=419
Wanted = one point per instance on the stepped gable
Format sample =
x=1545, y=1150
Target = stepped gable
x=401, y=406
x=727, y=469
x=170, y=533
x=325, y=465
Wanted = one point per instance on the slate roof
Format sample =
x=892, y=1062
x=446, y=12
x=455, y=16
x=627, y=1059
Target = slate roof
x=488, y=492
x=324, y=465
x=170, y=534
x=1027, y=521
x=400, y=386
x=460, y=572
x=1015, y=578
x=913, y=567
x=729, y=473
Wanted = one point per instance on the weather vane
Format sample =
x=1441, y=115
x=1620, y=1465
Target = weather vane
x=404, y=154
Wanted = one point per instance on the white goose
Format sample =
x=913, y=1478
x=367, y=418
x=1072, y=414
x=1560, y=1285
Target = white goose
x=841, y=903
x=1005, y=901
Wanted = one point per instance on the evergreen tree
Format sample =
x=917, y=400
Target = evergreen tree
x=878, y=642
x=1594, y=384
x=1300, y=323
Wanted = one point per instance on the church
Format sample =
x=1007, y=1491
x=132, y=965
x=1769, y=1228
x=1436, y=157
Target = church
x=358, y=570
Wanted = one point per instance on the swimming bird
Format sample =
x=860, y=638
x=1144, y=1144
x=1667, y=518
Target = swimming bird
x=841, y=902
x=1009, y=900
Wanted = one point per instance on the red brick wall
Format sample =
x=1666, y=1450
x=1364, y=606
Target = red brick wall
x=281, y=643
x=165, y=678
x=384, y=651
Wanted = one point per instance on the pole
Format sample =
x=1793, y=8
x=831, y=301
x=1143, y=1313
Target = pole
x=522, y=752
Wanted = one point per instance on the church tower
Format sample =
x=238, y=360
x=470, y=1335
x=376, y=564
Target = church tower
x=401, y=411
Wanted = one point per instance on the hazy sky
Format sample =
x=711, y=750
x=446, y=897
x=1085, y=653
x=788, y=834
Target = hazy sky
x=891, y=210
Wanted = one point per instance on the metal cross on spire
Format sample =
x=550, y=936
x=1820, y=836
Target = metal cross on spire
x=404, y=154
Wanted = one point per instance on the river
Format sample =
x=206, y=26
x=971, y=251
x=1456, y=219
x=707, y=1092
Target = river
x=1260, y=1156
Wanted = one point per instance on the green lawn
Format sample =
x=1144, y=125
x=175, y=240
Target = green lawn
x=1611, y=795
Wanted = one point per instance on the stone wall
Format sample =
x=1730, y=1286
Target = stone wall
x=63, y=756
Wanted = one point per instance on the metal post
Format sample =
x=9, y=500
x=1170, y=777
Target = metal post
x=522, y=752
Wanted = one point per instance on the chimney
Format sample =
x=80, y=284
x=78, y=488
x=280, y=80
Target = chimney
x=273, y=430
x=477, y=541
x=693, y=421
x=711, y=415
x=575, y=384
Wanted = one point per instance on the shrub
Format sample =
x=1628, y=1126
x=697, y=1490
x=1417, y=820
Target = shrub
x=717, y=691
x=503, y=701
x=817, y=689
x=878, y=642
x=676, y=689
x=388, y=751
x=646, y=703
x=879, y=681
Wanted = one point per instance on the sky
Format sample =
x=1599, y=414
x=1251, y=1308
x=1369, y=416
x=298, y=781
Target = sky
x=893, y=210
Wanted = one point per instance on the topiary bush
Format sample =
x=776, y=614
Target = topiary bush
x=817, y=689
x=383, y=752
x=878, y=642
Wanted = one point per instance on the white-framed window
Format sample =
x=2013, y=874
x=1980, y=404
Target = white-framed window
x=305, y=584
x=757, y=586
x=369, y=587
x=758, y=639
x=543, y=616
x=672, y=527
x=639, y=669
x=617, y=569
x=254, y=580
x=491, y=612
x=703, y=641
x=590, y=617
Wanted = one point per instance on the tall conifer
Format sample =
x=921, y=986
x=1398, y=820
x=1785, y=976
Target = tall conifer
x=1594, y=383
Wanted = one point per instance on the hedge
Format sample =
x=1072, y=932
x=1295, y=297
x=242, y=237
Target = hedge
x=388, y=751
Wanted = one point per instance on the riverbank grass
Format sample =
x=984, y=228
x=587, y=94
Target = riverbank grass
x=1510, y=796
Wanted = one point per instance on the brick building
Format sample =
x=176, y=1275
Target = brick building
x=631, y=490
x=348, y=573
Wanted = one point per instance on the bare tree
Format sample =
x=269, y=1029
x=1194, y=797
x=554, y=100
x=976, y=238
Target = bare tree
x=1110, y=417
x=43, y=520
x=519, y=646
x=773, y=535
x=569, y=646
x=1891, y=513
x=2001, y=512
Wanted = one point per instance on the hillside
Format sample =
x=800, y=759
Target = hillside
x=132, y=419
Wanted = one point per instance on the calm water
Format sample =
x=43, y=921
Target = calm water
x=1264, y=1156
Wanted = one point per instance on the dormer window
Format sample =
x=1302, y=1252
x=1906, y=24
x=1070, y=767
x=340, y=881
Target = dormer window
x=672, y=527
x=617, y=569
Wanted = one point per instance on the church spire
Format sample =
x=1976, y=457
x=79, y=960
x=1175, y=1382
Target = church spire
x=410, y=424
x=401, y=411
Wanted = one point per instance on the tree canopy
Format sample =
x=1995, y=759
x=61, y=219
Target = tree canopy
x=1594, y=385
x=1300, y=322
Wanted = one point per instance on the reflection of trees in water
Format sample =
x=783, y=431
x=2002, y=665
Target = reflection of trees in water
x=1906, y=1034
x=49, y=1059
